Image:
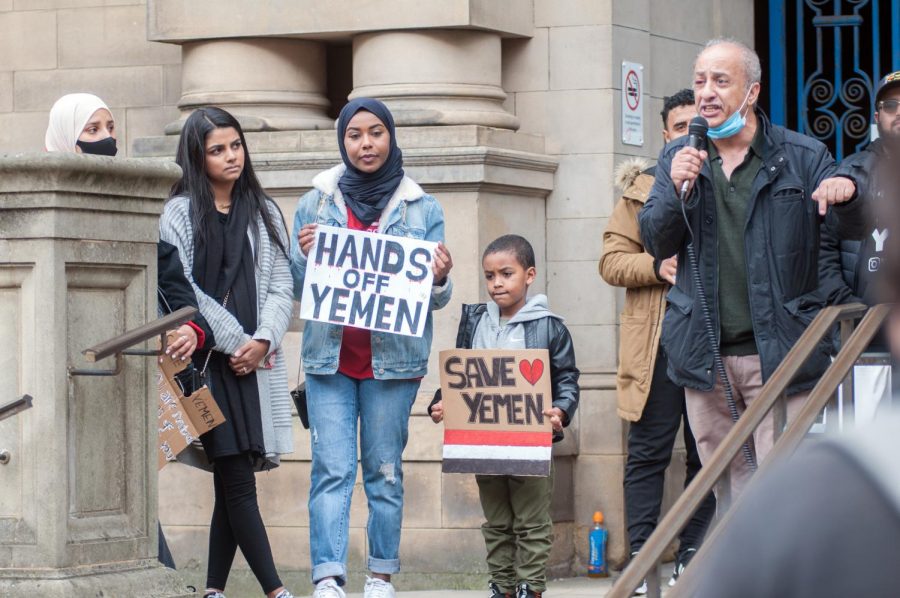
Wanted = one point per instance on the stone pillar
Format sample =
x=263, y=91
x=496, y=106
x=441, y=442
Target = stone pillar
x=433, y=77
x=270, y=84
x=78, y=499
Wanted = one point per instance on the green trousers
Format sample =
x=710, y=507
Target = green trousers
x=518, y=531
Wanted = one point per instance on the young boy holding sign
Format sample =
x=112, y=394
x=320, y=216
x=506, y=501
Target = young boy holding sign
x=518, y=529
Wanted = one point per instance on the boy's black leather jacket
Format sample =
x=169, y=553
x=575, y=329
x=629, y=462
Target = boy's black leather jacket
x=544, y=333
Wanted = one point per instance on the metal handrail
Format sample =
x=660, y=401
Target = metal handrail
x=119, y=345
x=797, y=430
x=17, y=406
x=772, y=395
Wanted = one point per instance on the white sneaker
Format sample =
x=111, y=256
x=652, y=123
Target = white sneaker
x=328, y=588
x=378, y=588
x=642, y=589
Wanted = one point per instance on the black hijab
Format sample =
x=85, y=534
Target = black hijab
x=367, y=194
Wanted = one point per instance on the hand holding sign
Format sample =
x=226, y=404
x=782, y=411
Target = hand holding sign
x=442, y=262
x=307, y=237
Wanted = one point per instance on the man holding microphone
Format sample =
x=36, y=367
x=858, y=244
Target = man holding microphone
x=754, y=202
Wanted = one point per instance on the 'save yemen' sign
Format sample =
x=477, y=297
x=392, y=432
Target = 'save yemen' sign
x=494, y=402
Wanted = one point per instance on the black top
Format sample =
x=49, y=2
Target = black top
x=237, y=396
x=175, y=290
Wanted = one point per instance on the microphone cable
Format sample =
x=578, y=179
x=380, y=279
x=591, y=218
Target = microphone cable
x=718, y=363
x=697, y=132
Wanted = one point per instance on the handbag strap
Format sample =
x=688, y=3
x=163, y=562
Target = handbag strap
x=162, y=299
x=210, y=352
x=299, y=368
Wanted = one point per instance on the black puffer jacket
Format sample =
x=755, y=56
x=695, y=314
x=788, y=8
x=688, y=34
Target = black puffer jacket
x=862, y=168
x=781, y=243
x=544, y=333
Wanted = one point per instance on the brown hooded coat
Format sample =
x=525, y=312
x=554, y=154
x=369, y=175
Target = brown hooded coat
x=624, y=263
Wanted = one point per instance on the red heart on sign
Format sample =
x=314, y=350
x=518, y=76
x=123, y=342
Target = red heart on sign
x=532, y=371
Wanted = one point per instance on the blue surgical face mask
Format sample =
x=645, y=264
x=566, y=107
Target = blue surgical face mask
x=732, y=125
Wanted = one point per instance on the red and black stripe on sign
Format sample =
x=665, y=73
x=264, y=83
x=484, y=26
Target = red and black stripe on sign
x=497, y=452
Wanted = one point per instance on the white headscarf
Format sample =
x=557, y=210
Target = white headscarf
x=68, y=117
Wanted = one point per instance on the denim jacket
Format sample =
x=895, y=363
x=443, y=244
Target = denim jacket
x=410, y=213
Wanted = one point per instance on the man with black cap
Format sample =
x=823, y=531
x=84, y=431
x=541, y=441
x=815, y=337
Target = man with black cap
x=876, y=170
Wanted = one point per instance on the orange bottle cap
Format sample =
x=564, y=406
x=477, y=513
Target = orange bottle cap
x=598, y=517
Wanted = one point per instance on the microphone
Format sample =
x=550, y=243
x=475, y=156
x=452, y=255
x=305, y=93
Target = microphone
x=697, y=140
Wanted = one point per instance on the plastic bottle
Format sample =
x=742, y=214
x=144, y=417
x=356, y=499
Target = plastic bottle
x=597, y=542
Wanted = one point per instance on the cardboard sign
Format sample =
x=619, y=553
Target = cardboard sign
x=367, y=280
x=181, y=419
x=494, y=404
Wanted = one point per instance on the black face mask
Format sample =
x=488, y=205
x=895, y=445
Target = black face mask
x=104, y=147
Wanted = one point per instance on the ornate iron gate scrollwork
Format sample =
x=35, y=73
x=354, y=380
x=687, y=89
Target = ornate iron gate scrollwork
x=824, y=59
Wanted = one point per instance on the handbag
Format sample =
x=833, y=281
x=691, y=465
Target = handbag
x=299, y=396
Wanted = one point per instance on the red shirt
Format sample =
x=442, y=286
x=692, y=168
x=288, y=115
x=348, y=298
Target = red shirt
x=355, y=360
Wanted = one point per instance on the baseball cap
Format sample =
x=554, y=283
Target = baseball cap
x=889, y=80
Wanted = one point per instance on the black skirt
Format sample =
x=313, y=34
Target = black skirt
x=238, y=398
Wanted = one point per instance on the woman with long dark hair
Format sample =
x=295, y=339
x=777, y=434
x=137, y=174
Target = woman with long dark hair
x=357, y=379
x=233, y=245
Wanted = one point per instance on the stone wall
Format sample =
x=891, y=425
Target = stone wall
x=52, y=47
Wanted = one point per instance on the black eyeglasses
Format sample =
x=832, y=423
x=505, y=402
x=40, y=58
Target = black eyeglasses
x=889, y=106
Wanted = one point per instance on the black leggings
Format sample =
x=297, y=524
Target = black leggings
x=236, y=522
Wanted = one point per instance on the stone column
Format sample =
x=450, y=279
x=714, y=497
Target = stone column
x=78, y=498
x=270, y=84
x=433, y=77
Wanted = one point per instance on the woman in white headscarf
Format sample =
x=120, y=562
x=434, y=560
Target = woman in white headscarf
x=81, y=123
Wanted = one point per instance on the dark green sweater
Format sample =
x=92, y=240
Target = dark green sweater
x=732, y=197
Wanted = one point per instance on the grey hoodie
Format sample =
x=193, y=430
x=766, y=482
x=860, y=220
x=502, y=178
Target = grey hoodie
x=489, y=334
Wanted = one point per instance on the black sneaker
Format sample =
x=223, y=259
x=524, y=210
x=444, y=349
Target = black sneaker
x=496, y=592
x=681, y=563
x=523, y=591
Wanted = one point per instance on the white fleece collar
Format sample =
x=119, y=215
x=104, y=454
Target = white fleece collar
x=327, y=182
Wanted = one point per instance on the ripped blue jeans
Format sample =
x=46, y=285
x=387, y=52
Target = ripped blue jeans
x=380, y=408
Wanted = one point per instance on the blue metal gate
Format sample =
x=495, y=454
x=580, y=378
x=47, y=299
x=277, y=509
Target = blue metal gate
x=824, y=59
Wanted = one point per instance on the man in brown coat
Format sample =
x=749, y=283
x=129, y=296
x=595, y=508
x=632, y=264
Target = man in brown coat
x=646, y=397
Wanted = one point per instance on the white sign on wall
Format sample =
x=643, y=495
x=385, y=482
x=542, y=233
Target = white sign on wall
x=632, y=103
x=368, y=280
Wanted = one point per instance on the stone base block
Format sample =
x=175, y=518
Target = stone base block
x=150, y=580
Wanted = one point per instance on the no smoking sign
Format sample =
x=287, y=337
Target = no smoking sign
x=632, y=106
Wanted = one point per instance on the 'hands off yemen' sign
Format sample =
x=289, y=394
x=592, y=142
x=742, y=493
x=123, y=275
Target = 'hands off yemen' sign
x=367, y=280
x=494, y=402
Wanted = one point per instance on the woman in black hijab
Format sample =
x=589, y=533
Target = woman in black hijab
x=357, y=379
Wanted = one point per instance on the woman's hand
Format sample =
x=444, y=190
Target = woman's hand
x=184, y=344
x=307, y=237
x=442, y=263
x=246, y=359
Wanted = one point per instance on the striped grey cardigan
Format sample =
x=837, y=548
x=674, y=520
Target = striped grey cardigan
x=274, y=294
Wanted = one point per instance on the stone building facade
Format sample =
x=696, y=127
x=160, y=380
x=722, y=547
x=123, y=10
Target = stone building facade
x=509, y=113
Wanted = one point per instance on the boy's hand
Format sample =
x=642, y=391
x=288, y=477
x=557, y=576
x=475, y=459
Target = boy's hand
x=437, y=412
x=556, y=416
